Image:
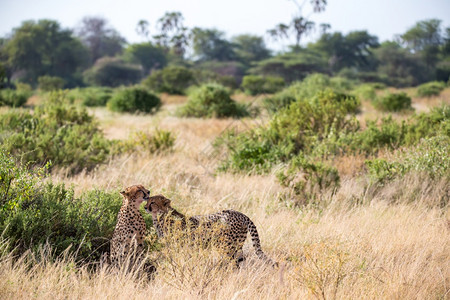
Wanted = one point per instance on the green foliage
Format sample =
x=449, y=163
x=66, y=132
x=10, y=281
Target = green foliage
x=393, y=102
x=291, y=66
x=91, y=96
x=157, y=142
x=44, y=48
x=150, y=57
x=295, y=129
x=400, y=67
x=212, y=101
x=134, y=99
x=254, y=84
x=306, y=89
x=210, y=44
x=50, y=83
x=13, y=98
x=202, y=76
x=112, y=72
x=172, y=80
x=433, y=88
x=365, y=92
x=34, y=212
x=278, y=101
x=388, y=133
x=352, y=50
x=250, y=48
x=251, y=152
x=429, y=156
x=56, y=131
x=307, y=177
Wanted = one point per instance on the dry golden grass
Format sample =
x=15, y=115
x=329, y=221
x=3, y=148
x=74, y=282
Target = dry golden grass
x=386, y=243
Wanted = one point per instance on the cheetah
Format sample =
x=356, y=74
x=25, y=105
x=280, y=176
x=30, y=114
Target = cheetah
x=127, y=239
x=233, y=227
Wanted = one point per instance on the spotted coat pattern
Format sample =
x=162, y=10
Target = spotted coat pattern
x=127, y=239
x=233, y=226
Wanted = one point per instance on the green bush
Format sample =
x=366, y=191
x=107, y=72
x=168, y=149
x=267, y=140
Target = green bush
x=56, y=131
x=306, y=177
x=134, y=99
x=212, y=101
x=306, y=89
x=278, y=101
x=365, y=92
x=388, y=134
x=34, y=211
x=204, y=76
x=429, y=156
x=13, y=98
x=91, y=96
x=254, y=84
x=156, y=142
x=433, y=88
x=112, y=72
x=393, y=102
x=295, y=129
x=172, y=80
x=50, y=83
x=252, y=152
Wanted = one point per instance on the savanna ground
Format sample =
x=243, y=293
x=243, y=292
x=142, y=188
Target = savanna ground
x=361, y=243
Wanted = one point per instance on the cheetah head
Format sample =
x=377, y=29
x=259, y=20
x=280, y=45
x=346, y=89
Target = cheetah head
x=157, y=204
x=135, y=194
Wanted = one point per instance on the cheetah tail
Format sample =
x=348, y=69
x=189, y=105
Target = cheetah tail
x=251, y=228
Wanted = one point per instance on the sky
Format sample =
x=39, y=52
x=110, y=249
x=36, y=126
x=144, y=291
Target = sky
x=383, y=18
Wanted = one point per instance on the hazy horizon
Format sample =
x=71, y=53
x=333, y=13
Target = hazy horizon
x=382, y=18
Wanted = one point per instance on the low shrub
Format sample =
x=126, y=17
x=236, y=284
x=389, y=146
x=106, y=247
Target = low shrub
x=50, y=83
x=429, y=89
x=34, y=211
x=393, y=102
x=306, y=178
x=91, y=96
x=306, y=89
x=365, y=92
x=387, y=134
x=14, y=98
x=56, y=131
x=172, y=80
x=212, y=101
x=252, y=152
x=294, y=129
x=430, y=156
x=156, y=142
x=204, y=76
x=278, y=101
x=134, y=99
x=254, y=84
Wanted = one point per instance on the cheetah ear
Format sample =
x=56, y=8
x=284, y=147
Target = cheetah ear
x=166, y=202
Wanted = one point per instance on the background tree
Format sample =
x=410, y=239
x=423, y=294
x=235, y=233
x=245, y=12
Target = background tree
x=353, y=50
x=173, y=34
x=210, y=44
x=44, y=48
x=99, y=38
x=400, y=66
x=142, y=28
x=113, y=72
x=279, y=32
x=149, y=56
x=250, y=48
x=301, y=27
